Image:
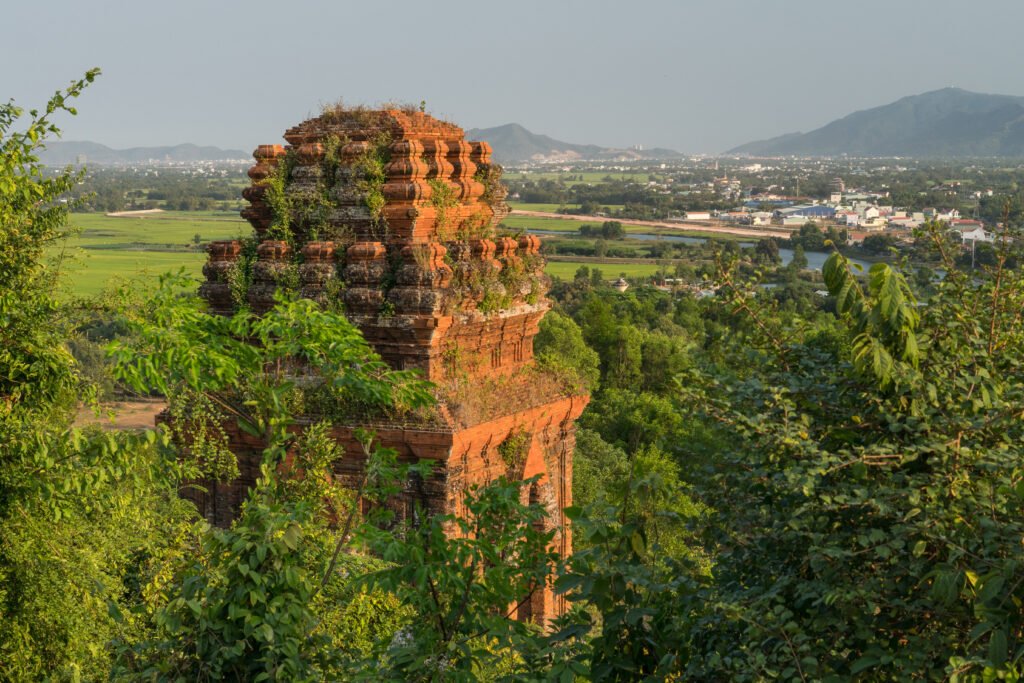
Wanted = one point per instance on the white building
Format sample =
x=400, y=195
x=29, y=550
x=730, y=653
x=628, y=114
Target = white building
x=977, y=235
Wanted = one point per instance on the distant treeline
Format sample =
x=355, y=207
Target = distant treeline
x=109, y=190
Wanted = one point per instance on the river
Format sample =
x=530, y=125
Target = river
x=815, y=259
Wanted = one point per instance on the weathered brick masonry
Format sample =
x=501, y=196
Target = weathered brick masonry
x=411, y=253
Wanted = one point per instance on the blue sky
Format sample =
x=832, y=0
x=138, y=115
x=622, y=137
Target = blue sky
x=694, y=76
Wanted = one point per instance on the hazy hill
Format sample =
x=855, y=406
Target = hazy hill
x=63, y=152
x=943, y=123
x=512, y=142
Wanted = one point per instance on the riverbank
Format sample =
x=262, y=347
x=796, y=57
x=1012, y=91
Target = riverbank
x=708, y=227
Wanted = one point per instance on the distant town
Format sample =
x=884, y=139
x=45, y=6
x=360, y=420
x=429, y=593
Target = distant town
x=863, y=197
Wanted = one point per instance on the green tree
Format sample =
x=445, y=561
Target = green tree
x=799, y=260
x=810, y=236
x=464, y=590
x=767, y=251
x=867, y=511
x=62, y=490
x=597, y=465
x=560, y=346
x=879, y=242
x=644, y=595
x=243, y=607
x=632, y=420
x=923, y=277
x=612, y=230
x=663, y=357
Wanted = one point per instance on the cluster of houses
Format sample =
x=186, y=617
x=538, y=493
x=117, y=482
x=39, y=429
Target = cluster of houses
x=860, y=213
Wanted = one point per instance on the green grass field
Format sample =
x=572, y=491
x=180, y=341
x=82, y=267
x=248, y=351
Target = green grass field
x=98, y=230
x=110, y=248
x=527, y=206
x=567, y=269
x=534, y=223
x=91, y=271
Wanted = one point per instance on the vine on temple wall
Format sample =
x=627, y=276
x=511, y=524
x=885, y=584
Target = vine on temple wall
x=489, y=175
x=370, y=165
x=280, y=199
x=309, y=209
x=476, y=227
x=443, y=199
x=495, y=299
x=240, y=275
x=514, y=449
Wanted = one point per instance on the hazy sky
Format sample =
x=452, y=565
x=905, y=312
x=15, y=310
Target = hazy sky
x=694, y=76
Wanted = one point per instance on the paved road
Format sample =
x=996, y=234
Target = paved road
x=682, y=227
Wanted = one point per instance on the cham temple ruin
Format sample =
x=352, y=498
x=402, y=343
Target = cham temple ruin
x=393, y=217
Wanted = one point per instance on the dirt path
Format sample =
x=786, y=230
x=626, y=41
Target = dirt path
x=127, y=414
x=131, y=214
x=682, y=227
x=611, y=260
x=156, y=213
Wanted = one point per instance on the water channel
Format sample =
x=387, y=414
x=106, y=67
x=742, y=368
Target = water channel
x=815, y=259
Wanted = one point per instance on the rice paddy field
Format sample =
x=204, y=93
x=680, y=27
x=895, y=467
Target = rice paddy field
x=165, y=230
x=91, y=271
x=541, y=223
x=567, y=269
x=110, y=249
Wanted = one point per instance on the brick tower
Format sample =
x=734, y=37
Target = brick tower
x=395, y=216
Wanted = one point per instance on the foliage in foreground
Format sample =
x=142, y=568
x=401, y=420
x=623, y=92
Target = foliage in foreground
x=68, y=497
x=868, y=510
x=858, y=482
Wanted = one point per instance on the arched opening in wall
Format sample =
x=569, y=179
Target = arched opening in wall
x=531, y=607
x=513, y=451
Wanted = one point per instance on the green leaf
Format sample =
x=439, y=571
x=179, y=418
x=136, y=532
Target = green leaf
x=990, y=588
x=979, y=630
x=997, y=648
x=637, y=543
x=863, y=664
x=291, y=536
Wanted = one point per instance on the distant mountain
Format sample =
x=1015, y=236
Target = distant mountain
x=943, y=123
x=513, y=143
x=63, y=152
